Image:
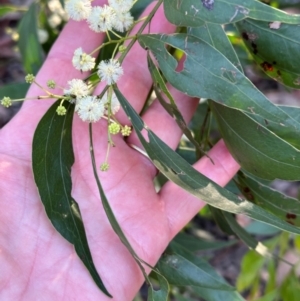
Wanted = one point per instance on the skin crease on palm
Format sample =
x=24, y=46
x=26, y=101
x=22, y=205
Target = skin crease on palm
x=36, y=262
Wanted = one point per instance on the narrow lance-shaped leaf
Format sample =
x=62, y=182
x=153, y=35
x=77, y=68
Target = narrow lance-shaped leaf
x=201, y=125
x=181, y=173
x=293, y=111
x=108, y=210
x=193, y=243
x=246, y=130
x=52, y=159
x=286, y=208
x=160, y=86
x=220, y=220
x=153, y=295
x=206, y=293
x=258, y=150
x=29, y=45
x=215, y=35
x=276, y=49
x=196, y=260
x=194, y=12
x=207, y=73
x=182, y=268
x=162, y=293
x=6, y=9
x=214, y=295
x=251, y=242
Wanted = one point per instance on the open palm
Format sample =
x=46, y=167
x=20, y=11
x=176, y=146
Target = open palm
x=36, y=262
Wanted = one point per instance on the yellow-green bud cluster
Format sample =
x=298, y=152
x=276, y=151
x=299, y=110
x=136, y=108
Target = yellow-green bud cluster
x=61, y=110
x=126, y=130
x=51, y=84
x=114, y=128
x=104, y=166
x=6, y=102
x=29, y=78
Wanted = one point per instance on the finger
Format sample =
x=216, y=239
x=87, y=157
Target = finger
x=163, y=124
x=58, y=66
x=181, y=206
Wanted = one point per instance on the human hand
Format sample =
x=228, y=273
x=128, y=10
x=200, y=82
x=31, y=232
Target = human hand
x=36, y=262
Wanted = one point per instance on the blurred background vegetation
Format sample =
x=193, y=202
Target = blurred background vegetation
x=27, y=31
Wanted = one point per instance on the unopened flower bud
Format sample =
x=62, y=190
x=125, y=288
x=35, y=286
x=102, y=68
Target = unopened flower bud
x=29, y=78
x=114, y=128
x=51, y=84
x=126, y=130
x=104, y=166
x=6, y=102
x=61, y=110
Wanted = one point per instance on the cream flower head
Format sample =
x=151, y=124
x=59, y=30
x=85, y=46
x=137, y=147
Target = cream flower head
x=82, y=61
x=101, y=18
x=90, y=109
x=78, y=89
x=78, y=9
x=110, y=71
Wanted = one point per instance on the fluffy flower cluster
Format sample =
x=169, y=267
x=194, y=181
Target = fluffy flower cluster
x=6, y=102
x=78, y=9
x=82, y=61
x=89, y=108
x=116, y=15
x=77, y=89
x=110, y=71
x=58, y=14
